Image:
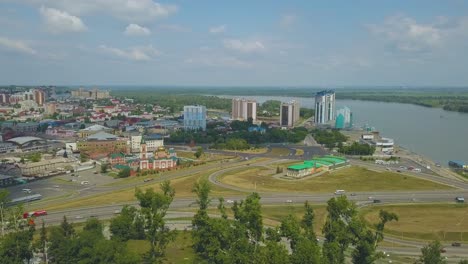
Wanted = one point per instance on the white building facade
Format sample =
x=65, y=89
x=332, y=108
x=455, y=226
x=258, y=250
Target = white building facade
x=325, y=107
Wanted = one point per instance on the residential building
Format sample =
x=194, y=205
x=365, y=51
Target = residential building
x=289, y=113
x=39, y=97
x=153, y=142
x=243, y=109
x=50, y=108
x=325, y=107
x=344, y=118
x=195, y=117
x=81, y=93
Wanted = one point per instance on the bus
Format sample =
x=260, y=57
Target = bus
x=25, y=199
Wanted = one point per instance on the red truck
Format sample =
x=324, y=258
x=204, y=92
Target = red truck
x=34, y=214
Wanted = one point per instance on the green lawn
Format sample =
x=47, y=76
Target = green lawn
x=445, y=222
x=350, y=179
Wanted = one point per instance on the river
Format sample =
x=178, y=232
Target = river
x=432, y=132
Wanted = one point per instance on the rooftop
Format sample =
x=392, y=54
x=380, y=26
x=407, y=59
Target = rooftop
x=96, y=128
x=102, y=136
x=24, y=140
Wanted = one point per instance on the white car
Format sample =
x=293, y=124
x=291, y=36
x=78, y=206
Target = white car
x=229, y=201
x=289, y=201
x=84, y=182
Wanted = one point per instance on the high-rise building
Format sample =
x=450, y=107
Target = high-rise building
x=325, y=107
x=289, y=113
x=344, y=118
x=90, y=94
x=243, y=109
x=195, y=117
x=39, y=97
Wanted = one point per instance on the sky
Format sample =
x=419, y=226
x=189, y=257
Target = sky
x=234, y=43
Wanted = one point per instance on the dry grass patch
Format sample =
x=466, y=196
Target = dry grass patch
x=351, y=179
x=279, y=151
x=445, y=222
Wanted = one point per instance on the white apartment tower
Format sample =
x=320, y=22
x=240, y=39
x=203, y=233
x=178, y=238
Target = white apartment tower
x=195, y=117
x=325, y=107
x=242, y=109
x=289, y=113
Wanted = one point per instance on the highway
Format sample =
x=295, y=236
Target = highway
x=268, y=198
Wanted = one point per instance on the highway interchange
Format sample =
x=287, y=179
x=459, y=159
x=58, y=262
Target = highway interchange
x=56, y=192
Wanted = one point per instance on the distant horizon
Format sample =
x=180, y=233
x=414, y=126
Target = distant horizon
x=402, y=87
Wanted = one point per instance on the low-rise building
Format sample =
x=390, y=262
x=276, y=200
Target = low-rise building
x=44, y=167
x=7, y=147
x=153, y=142
x=102, y=143
x=94, y=129
x=316, y=165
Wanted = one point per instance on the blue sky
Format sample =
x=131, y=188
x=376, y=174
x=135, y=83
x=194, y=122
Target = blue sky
x=234, y=43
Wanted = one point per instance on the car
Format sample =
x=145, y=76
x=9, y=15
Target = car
x=78, y=217
x=148, y=179
x=93, y=216
x=56, y=186
x=27, y=190
x=353, y=194
x=370, y=198
x=398, y=170
x=377, y=201
x=456, y=244
x=289, y=201
x=459, y=199
x=117, y=211
x=443, y=250
x=229, y=201
x=84, y=182
x=95, y=172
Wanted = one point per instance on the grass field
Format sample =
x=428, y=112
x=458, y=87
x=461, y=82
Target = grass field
x=183, y=187
x=279, y=152
x=299, y=152
x=445, y=222
x=349, y=179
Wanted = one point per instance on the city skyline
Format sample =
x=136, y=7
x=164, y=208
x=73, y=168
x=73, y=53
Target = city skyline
x=300, y=43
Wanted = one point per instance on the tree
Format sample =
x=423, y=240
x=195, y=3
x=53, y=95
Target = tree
x=84, y=157
x=123, y=227
x=104, y=167
x=199, y=152
x=4, y=193
x=124, y=173
x=154, y=207
x=431, y=254
x=249, y=214
x=42, y=244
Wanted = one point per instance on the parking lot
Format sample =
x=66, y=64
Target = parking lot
x=61, y=185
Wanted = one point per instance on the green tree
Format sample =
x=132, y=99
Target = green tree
x=41, y=244
x=104, y=167
x=341, y=213
x=199, y=152
x=124, y=227
x=4, y=193
x=124, y=173
x=431, y=254
x=249, y=214
x=16, y=247
x=154, y=207
x=84, y=157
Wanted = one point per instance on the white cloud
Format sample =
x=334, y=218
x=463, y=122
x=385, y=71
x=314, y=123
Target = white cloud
x=136, y=30
x=405, y=34
x=141, y=53
x=218, y=61
x=288, y=20
x=129, y=10
x=244, y=46
x=57, y=21
x=16, y=46
x=218, y=29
